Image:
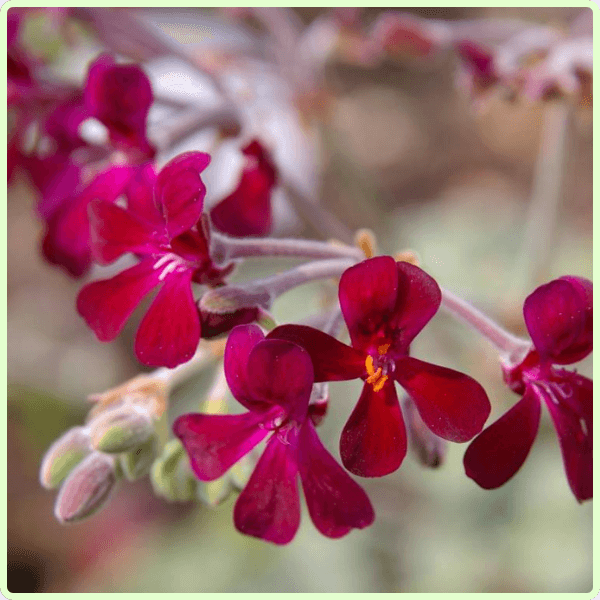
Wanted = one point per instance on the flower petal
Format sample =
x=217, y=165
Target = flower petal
x=419, y=298
x=498, y=452
x=106, y=305
x=368, y=294
x=452, y=404
x=558, y=316
x=215, y=443
x=336, y=503
x=281, y=372
x=115, y=231
x=179, y=192
x=332, y=360
x=570, y=404
x=240, y=343
x=373, y=441
x=140, y=196
x=170, y=331
x=247, y=210
x=269, y=506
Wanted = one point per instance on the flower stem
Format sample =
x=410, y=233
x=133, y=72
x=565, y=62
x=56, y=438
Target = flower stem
x=262, y=292
x=511, y=347
x=545, y=196
x=225, y=248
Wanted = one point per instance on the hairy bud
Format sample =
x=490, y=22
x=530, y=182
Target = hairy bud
x=86, y=489
x=171, y=476
x=138, y=462
x=63, y=455
x=121, y=429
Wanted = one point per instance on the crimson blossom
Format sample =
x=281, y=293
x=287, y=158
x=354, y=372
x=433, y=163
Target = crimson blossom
x=273, y=379
x=75, y=172
x=558, y=316
x=164, y=227
x=385, y=305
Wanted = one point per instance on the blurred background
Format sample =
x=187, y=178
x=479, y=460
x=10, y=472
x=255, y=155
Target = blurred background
x=403, y=152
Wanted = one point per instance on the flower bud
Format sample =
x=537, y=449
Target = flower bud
x=429, y=448
x=62, y=456
x=230, y=298
x=138, y=462
x=171, y=476
x=86, y=489
x=121, y=429
x=214, y=492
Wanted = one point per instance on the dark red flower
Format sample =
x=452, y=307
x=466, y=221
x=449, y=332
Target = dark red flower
x=119, y=96
x=162, y=227
x=385, y=305
x=247, y=210
x=558, y=316
x=273, y=379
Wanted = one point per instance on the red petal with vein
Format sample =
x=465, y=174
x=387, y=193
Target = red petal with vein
x=368, y=294
x=214, y=443
x=373, y=441
x=247, y=211
x=106, y=305
x=115, y=231
x=332, y=360
x=558, y=316
x=498, y=452
x=452, y=404
x=336, y=503
x=120, y=97
x=170, y=331
x=140, y=196
x=281, y=372
x=419, y=298
x=240, y=343
x=572, y=412
x=179, y=191
x=269, y=506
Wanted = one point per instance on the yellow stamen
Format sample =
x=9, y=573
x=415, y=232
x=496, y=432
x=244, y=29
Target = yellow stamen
x=383, y=349
x=375, y=378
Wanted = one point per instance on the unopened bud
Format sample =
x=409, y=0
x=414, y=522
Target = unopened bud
x=138, y=462
x=171, y=476
x=429, y=448
x=214, y=492
x=121, y=429
x=86, y=489
x=63, y=455
x=319, y=402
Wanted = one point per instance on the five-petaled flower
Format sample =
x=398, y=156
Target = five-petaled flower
x=164, y=227
x=558, y=316
x=385, y=305
x=273, y=379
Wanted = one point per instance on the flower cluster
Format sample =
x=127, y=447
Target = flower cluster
x=109, y=200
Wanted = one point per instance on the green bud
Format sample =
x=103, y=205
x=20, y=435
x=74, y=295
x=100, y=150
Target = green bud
x=138, y=462
x=214, y=492
x=86, y=489
x=121, y=429
x=63, y=455
x=171, y=475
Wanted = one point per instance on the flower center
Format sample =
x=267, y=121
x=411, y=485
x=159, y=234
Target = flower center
x=170, y=263
x=378, y=368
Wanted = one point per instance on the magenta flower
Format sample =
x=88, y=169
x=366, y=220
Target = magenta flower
x=75, y=172
x=273, y=379
x=247, y=210
x=558, y=316
x=163, y=228
x=385, y=304
x=119, y=96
